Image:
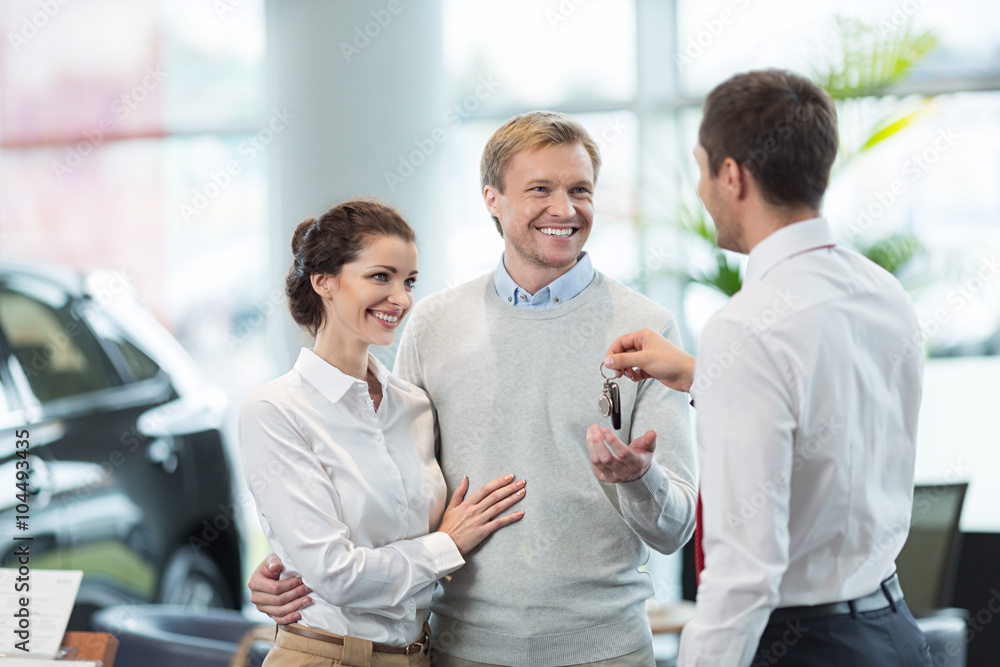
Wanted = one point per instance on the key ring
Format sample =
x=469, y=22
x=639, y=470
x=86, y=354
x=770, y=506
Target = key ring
x=617, y=374
x=610, y=403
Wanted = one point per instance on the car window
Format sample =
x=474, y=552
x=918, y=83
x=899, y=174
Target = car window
x=138, y=364
x=59, y=355
x=141, y=366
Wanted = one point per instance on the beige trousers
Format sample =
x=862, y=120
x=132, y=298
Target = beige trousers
x=295, y=651
x=641, y=658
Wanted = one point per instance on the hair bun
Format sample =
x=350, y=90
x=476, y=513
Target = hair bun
x=300, y=234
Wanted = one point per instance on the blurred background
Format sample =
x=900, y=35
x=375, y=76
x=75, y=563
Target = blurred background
x=173, y=146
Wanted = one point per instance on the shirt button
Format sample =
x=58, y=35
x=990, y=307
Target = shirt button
x=524, y=298
x=509, y=299
x=556, y=299
x=412, y=606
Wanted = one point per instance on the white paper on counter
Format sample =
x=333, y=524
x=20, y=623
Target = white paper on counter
x=51, y=596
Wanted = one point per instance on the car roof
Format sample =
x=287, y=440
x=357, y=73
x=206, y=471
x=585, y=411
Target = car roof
x=70, y=279
x=129, y=315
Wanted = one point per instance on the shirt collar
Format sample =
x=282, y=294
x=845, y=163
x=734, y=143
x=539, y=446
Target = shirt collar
x=790, y=240
x=334, y=383
x=559, y=291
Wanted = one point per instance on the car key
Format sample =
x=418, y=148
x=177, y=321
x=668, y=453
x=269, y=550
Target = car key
x=610, y=403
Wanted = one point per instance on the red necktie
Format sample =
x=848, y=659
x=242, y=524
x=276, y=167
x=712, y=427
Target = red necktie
x=699, y=553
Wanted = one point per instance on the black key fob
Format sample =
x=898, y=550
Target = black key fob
x=610, y=403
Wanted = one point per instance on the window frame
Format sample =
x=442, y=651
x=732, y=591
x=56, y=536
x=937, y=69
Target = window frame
x=91, y=313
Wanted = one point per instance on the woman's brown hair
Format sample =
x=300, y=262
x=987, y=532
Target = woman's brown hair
x=325, y=244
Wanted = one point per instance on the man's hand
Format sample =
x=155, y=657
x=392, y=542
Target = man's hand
x=646, y=354
x=279, y=599
x=612, y=461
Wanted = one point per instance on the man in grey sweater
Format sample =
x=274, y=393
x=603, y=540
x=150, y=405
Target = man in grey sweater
x=511, y=362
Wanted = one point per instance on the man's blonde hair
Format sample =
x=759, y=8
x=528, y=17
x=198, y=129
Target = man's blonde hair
x=535, y=128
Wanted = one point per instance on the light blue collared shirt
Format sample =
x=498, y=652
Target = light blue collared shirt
x=559, y=291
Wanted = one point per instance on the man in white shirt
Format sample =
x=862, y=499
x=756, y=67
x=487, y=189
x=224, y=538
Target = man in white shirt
x=806, y=403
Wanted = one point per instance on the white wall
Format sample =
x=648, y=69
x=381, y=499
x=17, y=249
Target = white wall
x=959, y=434
x=363, y=82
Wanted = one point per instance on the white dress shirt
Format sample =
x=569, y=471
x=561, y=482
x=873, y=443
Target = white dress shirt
x=807, y=401
x=348, y=496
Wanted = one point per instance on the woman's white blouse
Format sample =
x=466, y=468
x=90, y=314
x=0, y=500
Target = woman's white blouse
x=348, y=496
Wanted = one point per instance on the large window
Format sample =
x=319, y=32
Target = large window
x=131, y=140
x=636, y=72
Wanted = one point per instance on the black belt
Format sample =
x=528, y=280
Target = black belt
x=889, y=594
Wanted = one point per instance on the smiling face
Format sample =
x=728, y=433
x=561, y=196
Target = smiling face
x=367, y=300
x=546, y=211
x=728, y=232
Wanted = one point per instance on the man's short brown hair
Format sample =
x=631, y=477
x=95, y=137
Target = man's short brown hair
x=535, y=128
x=778, y=125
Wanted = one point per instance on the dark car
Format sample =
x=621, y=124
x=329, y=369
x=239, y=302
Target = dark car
x=129, y=476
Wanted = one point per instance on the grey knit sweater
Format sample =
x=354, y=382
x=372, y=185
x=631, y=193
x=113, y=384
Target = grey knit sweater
x=515, y=391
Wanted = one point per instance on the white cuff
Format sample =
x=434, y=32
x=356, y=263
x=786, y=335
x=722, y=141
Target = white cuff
x=443, y=552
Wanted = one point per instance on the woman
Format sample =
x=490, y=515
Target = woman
x=339, y=455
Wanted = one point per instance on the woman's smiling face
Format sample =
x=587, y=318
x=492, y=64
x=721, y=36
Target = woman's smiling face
x=370, y=296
